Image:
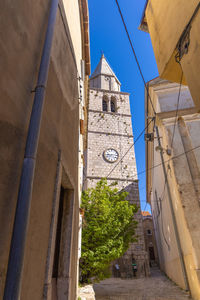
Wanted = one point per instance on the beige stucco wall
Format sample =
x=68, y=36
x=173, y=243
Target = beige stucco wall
x=167, y=21
x=72, y=12
x=183, y=185
x=169, y=260
x=23, y=27
x=190, y=62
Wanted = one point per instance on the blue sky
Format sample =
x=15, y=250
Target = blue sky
x=107, y=34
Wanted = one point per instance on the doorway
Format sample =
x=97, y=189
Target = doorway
x=63, y=241
x=151, y=253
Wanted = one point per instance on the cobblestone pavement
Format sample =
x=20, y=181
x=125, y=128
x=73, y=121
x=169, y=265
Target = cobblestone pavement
x=156, y=287
x=86, y=293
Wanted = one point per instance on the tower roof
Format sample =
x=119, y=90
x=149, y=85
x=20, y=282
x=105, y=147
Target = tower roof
x=103, y=68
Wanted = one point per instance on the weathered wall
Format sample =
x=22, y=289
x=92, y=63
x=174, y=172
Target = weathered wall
x=23, y=26
x=166, y=23
x=169, y=256
x=183, y=179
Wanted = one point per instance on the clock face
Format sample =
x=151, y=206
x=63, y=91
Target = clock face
x=111, y=155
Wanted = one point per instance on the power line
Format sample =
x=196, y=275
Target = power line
x=165, y=183
x=140, y=70
x=135, y=55
x=139, y=136
x=166, y=161
x=177, y=108
x=158, y=165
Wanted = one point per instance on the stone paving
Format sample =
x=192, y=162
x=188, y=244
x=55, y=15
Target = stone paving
x=156, y=287
x=86, y=293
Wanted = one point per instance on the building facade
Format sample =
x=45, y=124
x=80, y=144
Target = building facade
x=110, y=151
x=149, y=238
x=173, y=180
x=48, y=260
x=174, y=30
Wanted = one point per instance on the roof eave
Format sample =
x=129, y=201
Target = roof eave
x=143, y=23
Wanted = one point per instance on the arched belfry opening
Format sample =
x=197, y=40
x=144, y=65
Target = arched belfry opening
x=105, y=103
x=113, y=107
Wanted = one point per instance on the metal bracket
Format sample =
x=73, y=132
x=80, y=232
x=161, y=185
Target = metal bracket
x=149, y=137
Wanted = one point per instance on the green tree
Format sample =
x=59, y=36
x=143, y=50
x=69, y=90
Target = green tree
x=108, y=229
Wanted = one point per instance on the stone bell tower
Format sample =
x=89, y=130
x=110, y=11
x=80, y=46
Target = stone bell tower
x=110, y=152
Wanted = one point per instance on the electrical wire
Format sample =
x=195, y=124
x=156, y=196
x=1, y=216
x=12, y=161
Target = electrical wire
x=140, y=70
x=163, y=193
x=135, y=55
x=136, y=140
x=168, y=160
x=139, y=136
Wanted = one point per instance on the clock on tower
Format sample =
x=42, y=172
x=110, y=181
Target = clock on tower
x=111, y=155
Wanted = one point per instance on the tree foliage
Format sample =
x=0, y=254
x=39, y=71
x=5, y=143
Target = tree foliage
x=108, y=228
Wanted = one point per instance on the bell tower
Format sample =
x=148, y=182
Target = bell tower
x=110, y=152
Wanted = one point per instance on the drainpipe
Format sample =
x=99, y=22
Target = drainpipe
x=17, y=249
x=183, y=267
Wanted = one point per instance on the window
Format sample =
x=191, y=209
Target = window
x=149, y=232
x=105, y=103
x=113, y=104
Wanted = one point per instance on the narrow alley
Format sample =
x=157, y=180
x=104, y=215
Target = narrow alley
x=156, y=287
x=99, y=150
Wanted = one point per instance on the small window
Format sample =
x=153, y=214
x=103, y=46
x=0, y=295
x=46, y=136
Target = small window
x=149, y=232
x=105, y=103
x=113, y=104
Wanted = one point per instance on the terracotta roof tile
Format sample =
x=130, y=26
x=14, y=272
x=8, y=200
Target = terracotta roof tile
x=146, y=213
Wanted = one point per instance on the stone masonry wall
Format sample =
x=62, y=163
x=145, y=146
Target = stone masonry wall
x=114, y=130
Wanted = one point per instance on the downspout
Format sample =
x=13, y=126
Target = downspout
x=17, y=249
x=181, y=256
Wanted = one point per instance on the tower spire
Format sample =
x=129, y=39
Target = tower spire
x=104, y=77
